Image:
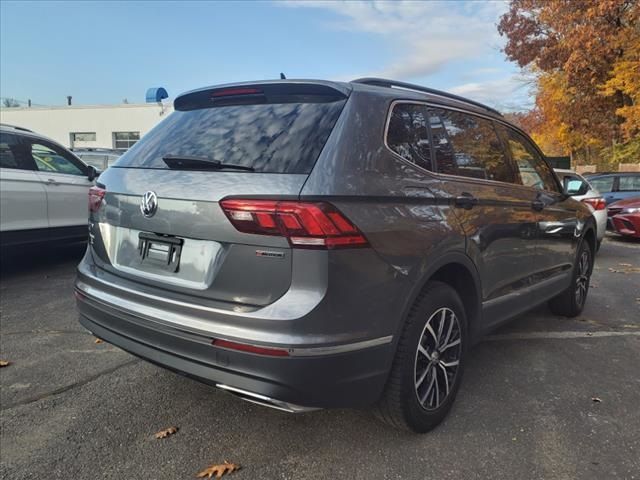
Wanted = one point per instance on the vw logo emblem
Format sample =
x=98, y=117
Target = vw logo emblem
x=149, y=204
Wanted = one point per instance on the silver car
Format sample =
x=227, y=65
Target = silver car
x=308, y=244
x=573, y=182
x=43, y=190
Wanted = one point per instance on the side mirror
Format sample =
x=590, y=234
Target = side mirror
x=575, y=188
x=92, y=173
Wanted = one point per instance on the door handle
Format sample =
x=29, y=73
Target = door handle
x=465, y=200
x=51, y=181
x=537, y=205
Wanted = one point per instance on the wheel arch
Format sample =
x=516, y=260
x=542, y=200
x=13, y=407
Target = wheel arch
x=457, y=270
x=590, y=236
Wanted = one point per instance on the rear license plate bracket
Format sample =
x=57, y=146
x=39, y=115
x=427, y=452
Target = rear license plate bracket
x=160, y=251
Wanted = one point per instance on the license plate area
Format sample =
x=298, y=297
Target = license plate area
x=159, y=251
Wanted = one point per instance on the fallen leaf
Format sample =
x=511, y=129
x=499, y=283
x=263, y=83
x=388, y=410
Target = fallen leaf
x=596, y=399
x=589, y=334
x=4, y=363
x=166, y=432
x=98, y=340
x=628, y=268
x=218, y=470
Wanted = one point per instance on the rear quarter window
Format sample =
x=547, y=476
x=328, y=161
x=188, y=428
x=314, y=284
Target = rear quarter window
x=408, y=133
x=9, y=151
x=270, y=138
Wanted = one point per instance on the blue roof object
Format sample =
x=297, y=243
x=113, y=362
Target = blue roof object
x=156, y=94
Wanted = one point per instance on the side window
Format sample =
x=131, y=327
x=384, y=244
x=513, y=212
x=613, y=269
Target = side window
x=532, y=169
x=12, y=152
x=49, y=158
x=572, y=183
x=629, y=183
x=98, y=161
x=468, y=146
x=408, y=134
x=602, y=184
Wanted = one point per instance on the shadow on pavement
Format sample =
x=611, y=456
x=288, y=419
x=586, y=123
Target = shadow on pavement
x=17, y=261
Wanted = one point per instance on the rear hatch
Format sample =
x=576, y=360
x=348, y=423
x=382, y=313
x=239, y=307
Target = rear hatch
x=156, y=216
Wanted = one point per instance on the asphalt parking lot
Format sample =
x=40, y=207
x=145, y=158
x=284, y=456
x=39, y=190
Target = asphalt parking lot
x=74, y=409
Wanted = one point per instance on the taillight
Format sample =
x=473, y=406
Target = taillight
x=597, y=203
x=96, y=194
x=304, y=224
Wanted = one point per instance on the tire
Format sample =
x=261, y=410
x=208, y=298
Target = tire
x=570, y=302
x=436, y=319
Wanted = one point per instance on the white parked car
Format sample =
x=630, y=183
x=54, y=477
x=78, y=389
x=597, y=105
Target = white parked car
x=43, y=189
x=573, y=182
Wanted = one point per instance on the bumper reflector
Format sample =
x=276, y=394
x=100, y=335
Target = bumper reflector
x=243, y=347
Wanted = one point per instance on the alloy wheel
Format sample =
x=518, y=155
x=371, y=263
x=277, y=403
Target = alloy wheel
x=437, y=358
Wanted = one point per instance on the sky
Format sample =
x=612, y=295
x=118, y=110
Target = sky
x=105, y=52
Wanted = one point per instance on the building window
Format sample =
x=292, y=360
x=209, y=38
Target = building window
x=83, y=137
x=124, y=140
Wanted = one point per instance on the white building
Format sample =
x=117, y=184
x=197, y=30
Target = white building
x=94, y=126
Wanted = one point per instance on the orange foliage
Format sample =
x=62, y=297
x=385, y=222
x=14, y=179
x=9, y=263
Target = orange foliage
x=586, y=57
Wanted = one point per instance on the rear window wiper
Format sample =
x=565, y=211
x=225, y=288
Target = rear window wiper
x=189, y=162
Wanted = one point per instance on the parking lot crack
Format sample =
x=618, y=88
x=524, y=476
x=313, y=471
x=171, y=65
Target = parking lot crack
x=47, y=332
x=559, y=335
x=71, y=386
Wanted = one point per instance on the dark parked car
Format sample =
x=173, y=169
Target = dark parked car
x=616, y=186
x=310, y=244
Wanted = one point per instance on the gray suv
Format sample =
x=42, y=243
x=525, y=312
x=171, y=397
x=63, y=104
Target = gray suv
x=309, y=244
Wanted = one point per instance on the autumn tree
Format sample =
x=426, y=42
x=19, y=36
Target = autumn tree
x=585, y=57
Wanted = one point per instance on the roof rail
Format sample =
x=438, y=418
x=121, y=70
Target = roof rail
x=383, y=82
x=16, y=127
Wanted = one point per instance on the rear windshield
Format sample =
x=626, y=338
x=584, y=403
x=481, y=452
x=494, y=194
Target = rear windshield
x=270, y=138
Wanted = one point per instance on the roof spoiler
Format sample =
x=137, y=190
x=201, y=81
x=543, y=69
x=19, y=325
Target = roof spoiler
x=253, y=93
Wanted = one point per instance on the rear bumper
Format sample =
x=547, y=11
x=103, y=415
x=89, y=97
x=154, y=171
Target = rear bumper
x=350, y=379
x=325, y=368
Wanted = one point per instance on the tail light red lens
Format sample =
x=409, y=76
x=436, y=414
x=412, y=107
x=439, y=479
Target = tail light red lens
x=96, y=194
x=304, y=224
x=230, y=92
x=597, y=203
x=244, y=347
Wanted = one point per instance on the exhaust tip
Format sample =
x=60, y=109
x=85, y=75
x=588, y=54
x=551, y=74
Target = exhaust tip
x=264, y=400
